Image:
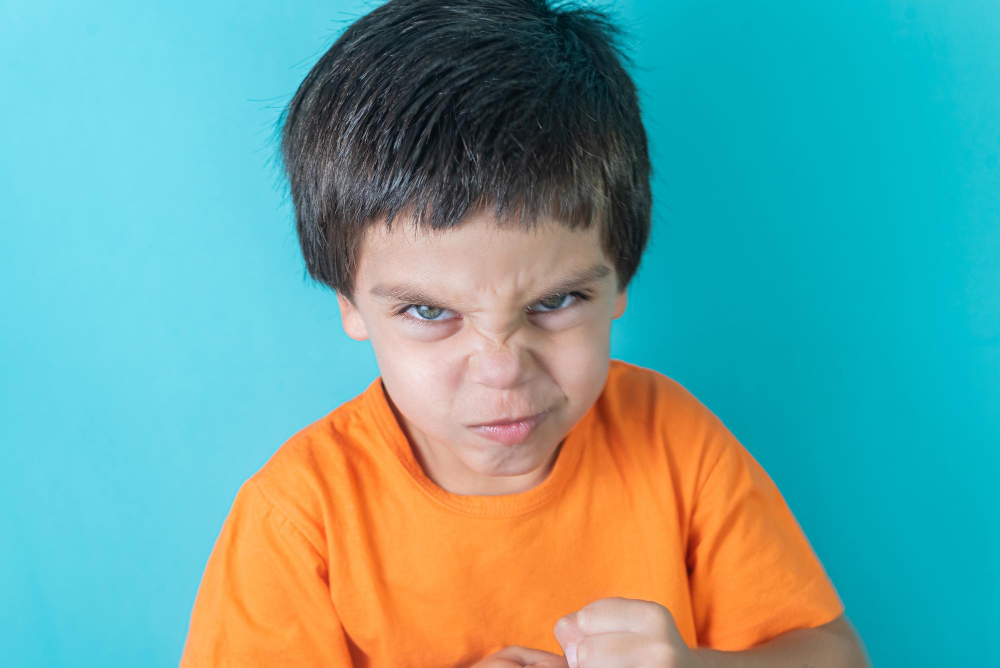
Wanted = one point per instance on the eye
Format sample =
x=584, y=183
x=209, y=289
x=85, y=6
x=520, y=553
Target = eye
x=425, y=313
x=556, y=302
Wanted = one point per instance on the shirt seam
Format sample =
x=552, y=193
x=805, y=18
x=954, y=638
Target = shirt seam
x=708, y=476
x=274, y=506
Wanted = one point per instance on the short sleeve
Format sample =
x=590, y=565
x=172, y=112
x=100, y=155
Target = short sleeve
x=753, y=574
x=264, y=598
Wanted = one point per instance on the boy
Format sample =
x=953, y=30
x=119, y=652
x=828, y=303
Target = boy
x=472, y=179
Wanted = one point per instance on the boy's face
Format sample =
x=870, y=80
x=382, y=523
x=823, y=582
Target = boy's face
x=486, y=330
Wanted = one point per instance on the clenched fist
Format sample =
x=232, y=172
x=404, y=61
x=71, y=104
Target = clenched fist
x=623, y=633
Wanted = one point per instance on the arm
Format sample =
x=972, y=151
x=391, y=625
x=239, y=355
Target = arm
x=832, y=645
x=264, y=599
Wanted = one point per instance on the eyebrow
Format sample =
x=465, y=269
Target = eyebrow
x=413, y=295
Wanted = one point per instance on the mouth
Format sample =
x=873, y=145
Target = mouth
x=512, y=432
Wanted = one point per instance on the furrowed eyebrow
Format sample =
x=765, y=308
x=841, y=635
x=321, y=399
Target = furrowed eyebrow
x=412, y=295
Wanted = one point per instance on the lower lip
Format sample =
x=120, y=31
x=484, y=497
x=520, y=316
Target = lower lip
x=511, y=433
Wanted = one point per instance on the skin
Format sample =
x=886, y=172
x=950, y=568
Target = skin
x=498, y=343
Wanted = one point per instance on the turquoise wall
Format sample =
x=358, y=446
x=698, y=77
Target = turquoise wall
x=824, y=274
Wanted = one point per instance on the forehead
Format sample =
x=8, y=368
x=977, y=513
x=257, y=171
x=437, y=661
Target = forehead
x=479, y=257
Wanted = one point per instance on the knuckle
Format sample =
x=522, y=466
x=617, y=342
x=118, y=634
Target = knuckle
x=660, y=615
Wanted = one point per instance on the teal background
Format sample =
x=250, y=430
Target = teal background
x=824, y=274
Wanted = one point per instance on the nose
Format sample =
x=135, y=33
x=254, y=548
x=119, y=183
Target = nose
x=499, y=359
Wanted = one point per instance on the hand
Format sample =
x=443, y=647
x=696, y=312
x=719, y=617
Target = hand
x=515, y=656
x=623, y=633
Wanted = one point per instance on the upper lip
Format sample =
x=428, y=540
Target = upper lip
x=508, y=420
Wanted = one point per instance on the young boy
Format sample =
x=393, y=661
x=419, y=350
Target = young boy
x=472, y=178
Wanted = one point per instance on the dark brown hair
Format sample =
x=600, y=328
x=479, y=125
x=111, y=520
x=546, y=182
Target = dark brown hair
x=442, y=108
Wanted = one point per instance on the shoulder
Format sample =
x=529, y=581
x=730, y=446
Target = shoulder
x=304, y=480
x=654, y=397
x=654, y=407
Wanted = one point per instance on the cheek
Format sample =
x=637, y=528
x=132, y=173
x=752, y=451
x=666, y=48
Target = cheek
x=420, y=375
x=579, y=363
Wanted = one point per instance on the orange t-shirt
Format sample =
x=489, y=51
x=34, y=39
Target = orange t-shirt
x=340, y=551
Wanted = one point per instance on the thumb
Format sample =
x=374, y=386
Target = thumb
x=569, y=636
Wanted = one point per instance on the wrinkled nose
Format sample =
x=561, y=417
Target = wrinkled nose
x=500, y=357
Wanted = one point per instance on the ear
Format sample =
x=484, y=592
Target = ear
x=620, y=302
x=351, y=319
